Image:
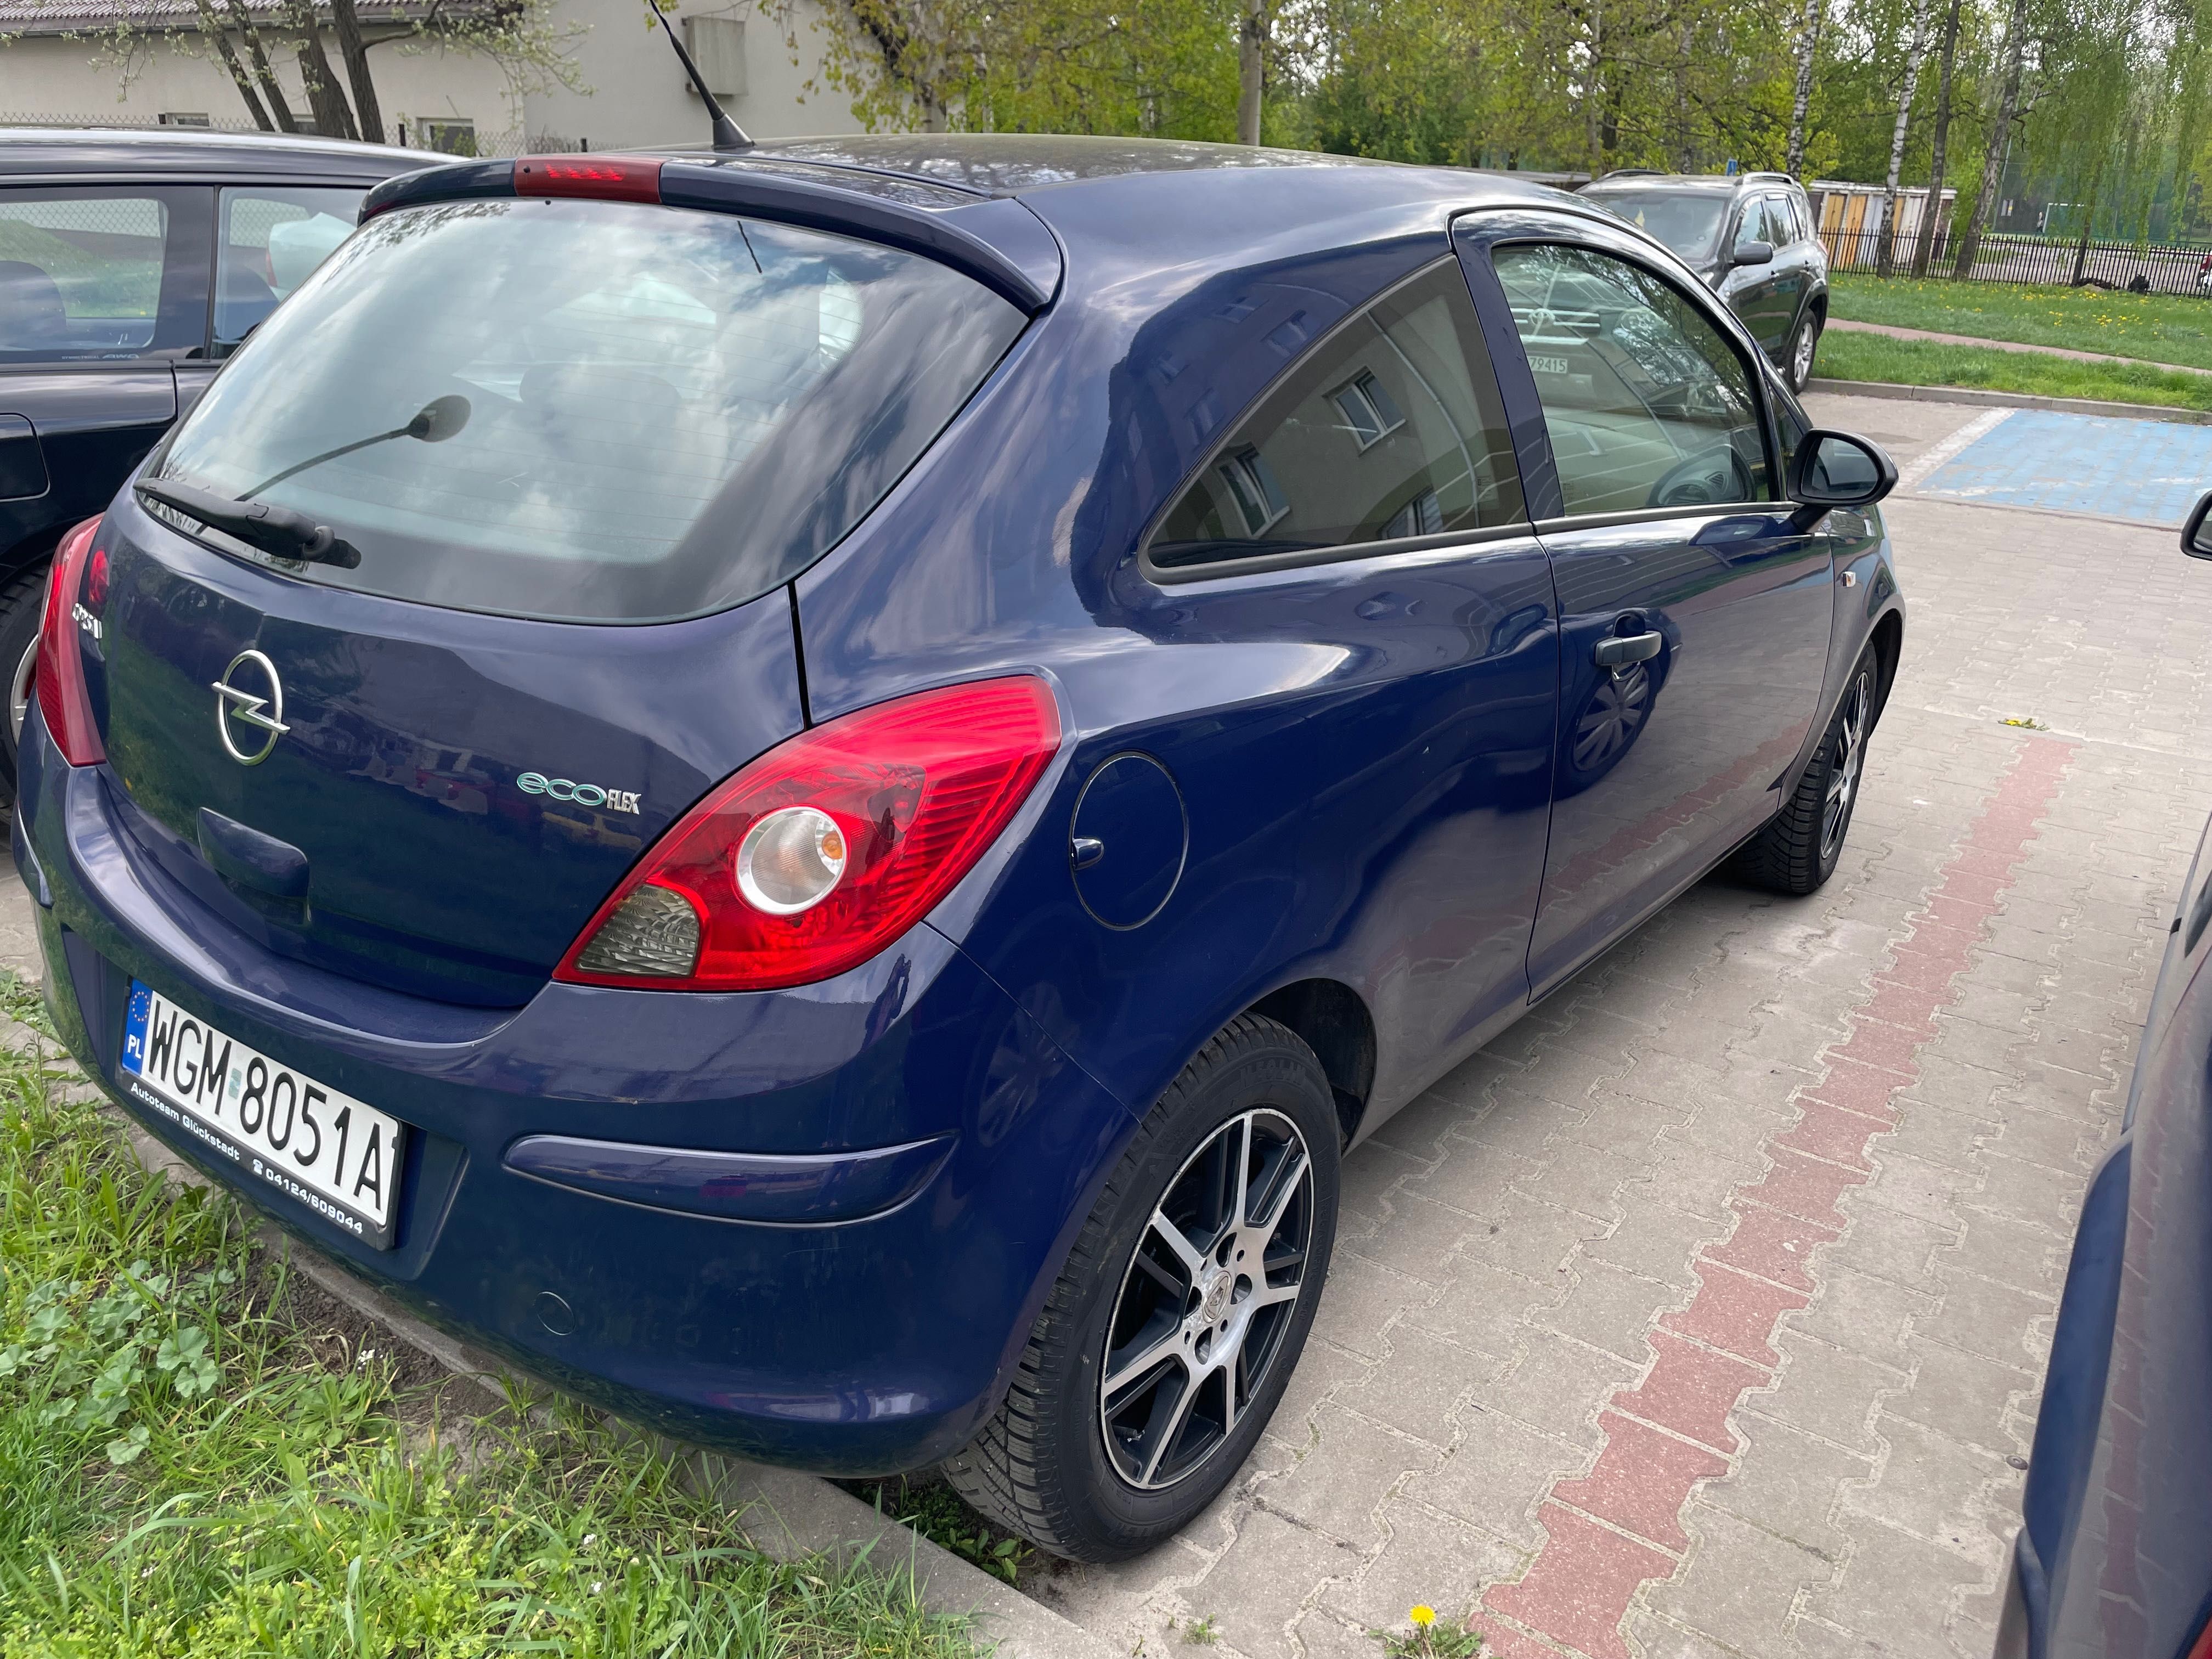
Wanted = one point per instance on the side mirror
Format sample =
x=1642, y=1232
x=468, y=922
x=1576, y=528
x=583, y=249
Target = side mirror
x=2196, y=535
x=1834, y=469
x=1753, y=253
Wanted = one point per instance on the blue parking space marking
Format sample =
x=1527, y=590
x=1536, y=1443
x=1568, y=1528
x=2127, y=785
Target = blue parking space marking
x=2149, y=470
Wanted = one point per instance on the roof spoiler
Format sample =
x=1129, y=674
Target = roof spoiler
x=998, y=242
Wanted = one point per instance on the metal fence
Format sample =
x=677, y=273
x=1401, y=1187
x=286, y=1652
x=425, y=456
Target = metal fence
x=2006, y=258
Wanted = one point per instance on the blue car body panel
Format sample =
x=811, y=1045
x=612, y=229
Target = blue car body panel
x=815, y=1225
x=2114, y=1556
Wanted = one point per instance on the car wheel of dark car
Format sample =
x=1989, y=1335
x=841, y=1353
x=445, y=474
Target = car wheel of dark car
x=1804, y=345
x=1174, y=1327
x=20, y=603
x=1798, y=850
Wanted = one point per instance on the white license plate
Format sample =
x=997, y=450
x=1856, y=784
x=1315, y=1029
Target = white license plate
x=325, y=1149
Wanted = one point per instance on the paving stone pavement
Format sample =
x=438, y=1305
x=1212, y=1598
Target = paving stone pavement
x=1701, y=1313
x=1705, y=1313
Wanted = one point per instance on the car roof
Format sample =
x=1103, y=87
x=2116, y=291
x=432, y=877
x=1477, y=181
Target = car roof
x=1716, y=184
x=182, y=151
x=1023, y=164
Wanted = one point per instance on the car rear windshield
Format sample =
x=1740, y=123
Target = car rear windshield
x=1691, y=225
x=589, y=410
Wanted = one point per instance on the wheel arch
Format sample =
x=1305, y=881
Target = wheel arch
x=1887, y=639
x=1330, y=1018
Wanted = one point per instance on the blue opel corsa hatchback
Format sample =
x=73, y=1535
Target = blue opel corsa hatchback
x=814, y=791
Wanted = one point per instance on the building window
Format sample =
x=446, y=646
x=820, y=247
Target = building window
x=177, y=117
x=448, y=138
x=717, y=46
x=1422, y=516
x=1252, y=484
x=1369, y=413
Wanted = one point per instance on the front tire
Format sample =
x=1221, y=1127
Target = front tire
x=1798, y=850
x=1172, y=1330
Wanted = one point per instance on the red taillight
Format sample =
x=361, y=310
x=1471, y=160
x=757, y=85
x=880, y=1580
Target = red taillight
x=602, y=178
x=826, y=849
x=62, y=698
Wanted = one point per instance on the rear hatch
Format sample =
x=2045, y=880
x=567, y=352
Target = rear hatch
x=566, y=454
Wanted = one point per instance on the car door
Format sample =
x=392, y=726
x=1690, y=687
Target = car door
x=1756, y=292
x=103, y=287
x=1354, y=566
x=1693, y=614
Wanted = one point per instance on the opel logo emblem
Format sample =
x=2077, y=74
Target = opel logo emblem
x=249, y=695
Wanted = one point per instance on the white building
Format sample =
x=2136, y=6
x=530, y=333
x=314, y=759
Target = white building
x=58, y=65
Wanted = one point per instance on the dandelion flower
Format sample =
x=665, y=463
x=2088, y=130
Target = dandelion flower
x=1423, y=1616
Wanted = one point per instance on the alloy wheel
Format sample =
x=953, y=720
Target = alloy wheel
x=1801, y=357
x=1208, y=1295
x=1843, y=773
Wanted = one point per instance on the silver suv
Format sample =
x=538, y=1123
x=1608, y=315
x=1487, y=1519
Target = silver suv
x=1750, y=237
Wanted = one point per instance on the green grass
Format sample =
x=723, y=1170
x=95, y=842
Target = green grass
x=1845, y=356
x=200, y=1460
x=941, y=1515
x=2160, y=328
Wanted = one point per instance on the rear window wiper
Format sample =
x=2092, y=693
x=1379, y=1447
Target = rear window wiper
x=273, y=530
x=279, y=529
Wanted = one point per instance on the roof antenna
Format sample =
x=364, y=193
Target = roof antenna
x=728, y=134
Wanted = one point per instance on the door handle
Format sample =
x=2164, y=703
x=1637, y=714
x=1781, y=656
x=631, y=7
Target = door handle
x=1619, y=652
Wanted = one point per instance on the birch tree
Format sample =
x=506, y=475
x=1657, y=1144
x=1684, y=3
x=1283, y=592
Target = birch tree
x=1913, y=54
x=1932, y=221
x=1808, y=51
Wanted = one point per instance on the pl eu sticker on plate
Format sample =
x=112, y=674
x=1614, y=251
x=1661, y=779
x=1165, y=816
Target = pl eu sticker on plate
x=337, y=1155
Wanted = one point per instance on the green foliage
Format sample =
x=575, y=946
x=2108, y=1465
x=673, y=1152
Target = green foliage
x=938, y=1514
x=2160, y=328
x=1846, y=356
x=1431, y=1638
x=191, y=1476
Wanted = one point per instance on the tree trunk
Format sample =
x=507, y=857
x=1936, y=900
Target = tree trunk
x=355, y=51
x=1808, y=48
x=1993, y=159
x=279, y=111
x=211, y=27
x=1931, y=222
x=1251, y=70
x=1593, y=90
x=333, y=120
x=2088, y=218
x=1886, y=261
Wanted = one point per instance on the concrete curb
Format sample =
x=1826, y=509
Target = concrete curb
x=1975, y=395
x=783, y=1513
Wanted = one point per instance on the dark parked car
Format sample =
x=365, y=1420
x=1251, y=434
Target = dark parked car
x=132, y=263
x=2113, y=1559
x=814, y=790
x=1750, y=237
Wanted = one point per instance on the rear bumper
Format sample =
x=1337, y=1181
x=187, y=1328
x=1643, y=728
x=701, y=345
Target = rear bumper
x=915, y=1151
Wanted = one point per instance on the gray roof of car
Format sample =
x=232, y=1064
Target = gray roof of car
x=186, y=149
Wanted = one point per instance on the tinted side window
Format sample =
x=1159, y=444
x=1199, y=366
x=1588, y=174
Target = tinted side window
x=1390, y=427
x=1646, y=404
x=271, y=239
x=1753, y=225
x=82, y=274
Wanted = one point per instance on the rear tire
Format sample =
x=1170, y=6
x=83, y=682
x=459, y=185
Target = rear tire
x=1201, y=1330
x=1798, y=850
x=22, y=601
x=1804, y=346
